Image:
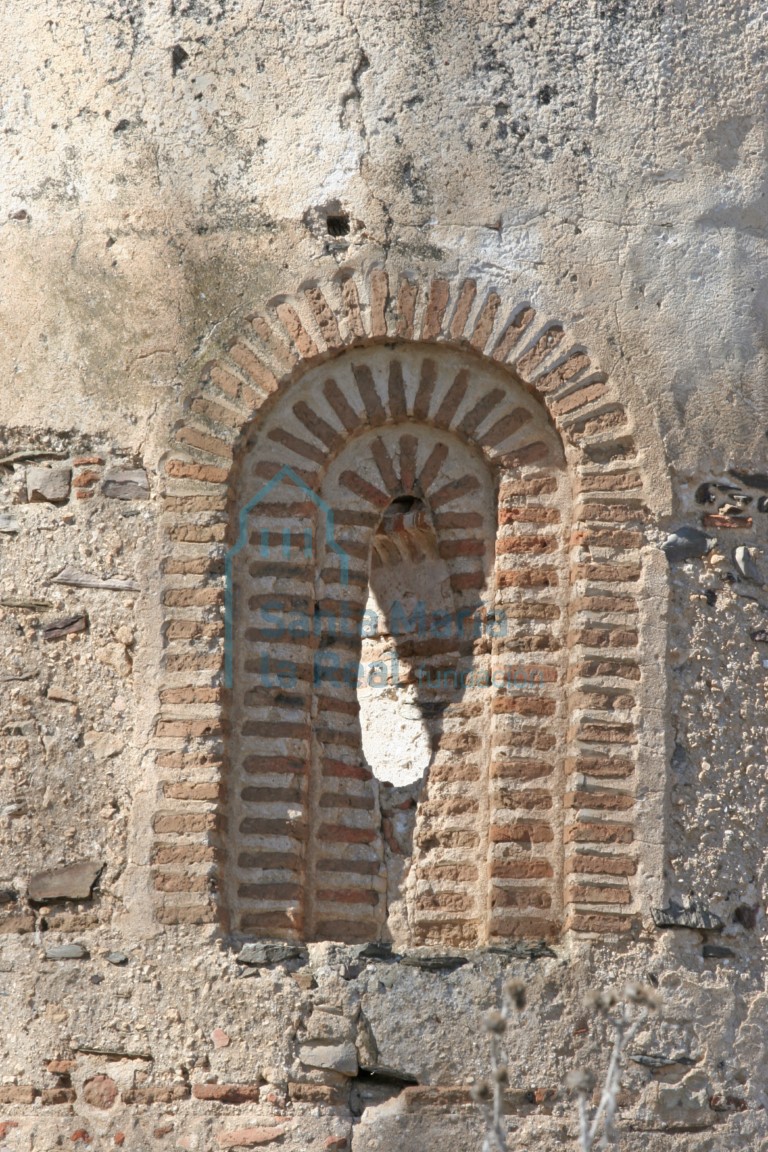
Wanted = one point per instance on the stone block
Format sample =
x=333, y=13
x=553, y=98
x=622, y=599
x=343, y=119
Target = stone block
x=48, y=485
x=132, y=484
x=70, y=882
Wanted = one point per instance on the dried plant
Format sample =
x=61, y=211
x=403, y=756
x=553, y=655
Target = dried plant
x=626, y=1012
x=489, y=1094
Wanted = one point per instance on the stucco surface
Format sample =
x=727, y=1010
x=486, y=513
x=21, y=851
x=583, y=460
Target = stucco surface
x=167, y=168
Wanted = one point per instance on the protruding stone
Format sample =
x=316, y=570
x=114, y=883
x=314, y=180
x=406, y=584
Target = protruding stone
x=330, y=1057
x=8, y=523
x=744, y=559
x=128, y=485
x=686, y=544
x=266, y=952
x=656, y=1061
x=48, y=485
x=676, y=917
x=70, y=882
x=717, y=952
x=66, y=952
x=66, y=626
x=434, y=961
x=116, y=958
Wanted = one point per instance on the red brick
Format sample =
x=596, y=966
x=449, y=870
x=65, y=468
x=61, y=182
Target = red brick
x=61, y=1067
x=608, y=801
x=524, y=705
x=595, y=922
x=86, y=479
x=50, y=1097
x=578, y=399
x=187, y=504
x=187, y=729
x=585, y=833
x=512, y=768
x=609, y=573
x=633, y=512
x=218, y=413
x=528, y=454
x=603, y=766
x=191, y=791
x=508, y=926
x=184, y=854
x=285, y=925
x=521, y=831
x=227, y=1093
x=207, y=473
x=183, y=824
x=192, y=566
x=528, y=514
x=538, y=577
x=719, y=520
x=589, y=894
x=20, y=925
x=520, y=898
x=604, y=666
x=191, y=597
x=609, y=482
x=527, y=486
x=618, y=637
x=534, y=544
x=606, y=733
x=180, y=882
x=602, y=865
x=198, y=533
x=521, y=869
x=18, y=1094
x=602, y=604
x=205, y=443
x=190, y=695
x=100, y=1092
x=248, y=1137
x=606, y=538
x=156, y=1094
x=198, y=913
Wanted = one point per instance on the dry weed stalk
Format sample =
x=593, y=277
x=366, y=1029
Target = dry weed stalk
x=627, y=1013
x=490, y=1094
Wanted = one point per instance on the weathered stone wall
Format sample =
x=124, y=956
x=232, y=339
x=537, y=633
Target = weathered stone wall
x=204, y=207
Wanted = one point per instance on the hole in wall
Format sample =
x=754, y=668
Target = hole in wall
x=179, y=58
x=408, y=585
x=338, y=225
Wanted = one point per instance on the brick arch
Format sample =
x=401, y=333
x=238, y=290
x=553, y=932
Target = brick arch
x=252, y=396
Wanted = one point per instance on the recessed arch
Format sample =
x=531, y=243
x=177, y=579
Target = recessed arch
x=547, y=806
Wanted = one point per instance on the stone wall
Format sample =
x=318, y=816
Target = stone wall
x=483, y=282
